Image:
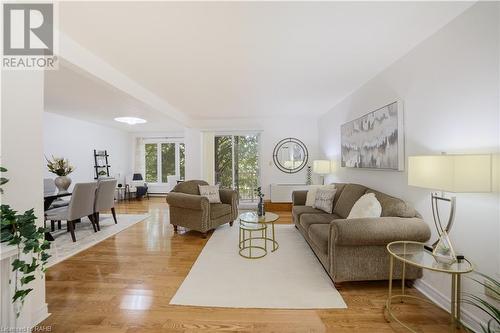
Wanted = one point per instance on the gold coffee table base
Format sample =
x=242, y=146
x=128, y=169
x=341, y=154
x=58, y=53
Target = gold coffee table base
x=245, y=244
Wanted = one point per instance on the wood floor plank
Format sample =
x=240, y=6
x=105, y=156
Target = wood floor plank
x=124, y=285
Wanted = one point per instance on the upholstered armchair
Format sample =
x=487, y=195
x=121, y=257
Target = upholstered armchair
x=191, y=210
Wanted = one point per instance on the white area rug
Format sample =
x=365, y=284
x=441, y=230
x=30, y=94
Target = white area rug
x=289, y=278
x=63, y=247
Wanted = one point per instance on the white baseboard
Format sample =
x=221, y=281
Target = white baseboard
x=468, y=319
x=40, y=315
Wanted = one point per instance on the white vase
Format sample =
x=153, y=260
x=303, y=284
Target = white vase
x=62, y=183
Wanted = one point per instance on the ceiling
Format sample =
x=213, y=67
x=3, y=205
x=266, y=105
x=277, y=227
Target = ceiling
x=215, y=60
x=72, y=92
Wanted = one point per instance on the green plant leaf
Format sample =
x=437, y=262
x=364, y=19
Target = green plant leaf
x=21, y=294
x=18, y=264
x=27, y=279
x=2, y=169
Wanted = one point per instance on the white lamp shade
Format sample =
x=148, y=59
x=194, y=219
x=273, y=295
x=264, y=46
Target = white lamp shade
x=322, y=167
x=451, y=173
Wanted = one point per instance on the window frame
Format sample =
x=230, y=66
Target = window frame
x=158, y=143
x=232, y=134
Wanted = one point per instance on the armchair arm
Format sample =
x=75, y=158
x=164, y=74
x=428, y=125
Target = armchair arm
x=189, y=201
x=378, y=231
x=230, y=197
x=299, y=198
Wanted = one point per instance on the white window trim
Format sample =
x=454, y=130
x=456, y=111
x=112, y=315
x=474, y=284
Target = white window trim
x=158, y=142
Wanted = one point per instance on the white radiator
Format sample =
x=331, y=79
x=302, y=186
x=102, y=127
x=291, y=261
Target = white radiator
x=283, y=192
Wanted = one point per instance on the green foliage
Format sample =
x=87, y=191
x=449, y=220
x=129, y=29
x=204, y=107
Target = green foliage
x=20, y=230
x=151, y=152
x=167, y=161
x=59, y=166
x=483, y=304
x=246, y=157
x=182, y=160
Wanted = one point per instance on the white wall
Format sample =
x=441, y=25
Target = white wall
x=76, y=140
x=21, y=154
x=450, y=88
x=272, y=130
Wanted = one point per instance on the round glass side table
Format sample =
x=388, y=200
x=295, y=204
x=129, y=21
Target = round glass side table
x=247, y=245
x=268, y=218
x=415, y=254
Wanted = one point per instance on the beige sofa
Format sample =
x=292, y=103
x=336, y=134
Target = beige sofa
x=190, y=210
x=355, y=249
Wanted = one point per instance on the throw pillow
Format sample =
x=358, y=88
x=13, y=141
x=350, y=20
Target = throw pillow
x=324, y=199
x=211, y=192
x=367, y=206
x=311, y=193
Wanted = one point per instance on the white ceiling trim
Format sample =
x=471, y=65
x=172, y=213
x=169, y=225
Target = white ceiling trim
x=79, y=56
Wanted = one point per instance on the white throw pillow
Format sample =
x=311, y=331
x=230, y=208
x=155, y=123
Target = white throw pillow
x=211, y=192
x=324, y=199
x=311, y=193
x=367, y=206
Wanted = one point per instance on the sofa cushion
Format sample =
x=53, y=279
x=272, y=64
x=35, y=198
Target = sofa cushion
x=350, y=194
x=324, y=200
x=392, y=206
x=366, y=207
x=218, y=210
x=297, y=211
x=306, y=220
x=340, y=187
x=319, y=235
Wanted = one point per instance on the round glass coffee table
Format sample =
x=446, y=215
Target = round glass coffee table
x=416, y=255
x=268, y=218
x=252, y=247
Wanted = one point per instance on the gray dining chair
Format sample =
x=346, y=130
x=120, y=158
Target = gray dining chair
x=80, y=205
x=105, y=199
x=49, y=187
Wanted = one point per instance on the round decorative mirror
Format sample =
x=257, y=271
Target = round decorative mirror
x=290, y=155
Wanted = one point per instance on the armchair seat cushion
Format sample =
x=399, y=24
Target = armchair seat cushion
x=306, y=220
x=219, y=209
x=319, y=235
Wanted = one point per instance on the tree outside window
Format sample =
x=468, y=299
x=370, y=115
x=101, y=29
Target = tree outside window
x=151, y=162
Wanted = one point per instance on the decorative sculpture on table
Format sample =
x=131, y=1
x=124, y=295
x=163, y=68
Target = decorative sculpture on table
x=260, y=206
x=61, y=168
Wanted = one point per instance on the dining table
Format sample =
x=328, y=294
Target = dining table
x=48, y=199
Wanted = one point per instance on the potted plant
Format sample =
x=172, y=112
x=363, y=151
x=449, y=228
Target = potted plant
x=260, y=206
x=492, y=288
x=61, y=168
x=21, y=231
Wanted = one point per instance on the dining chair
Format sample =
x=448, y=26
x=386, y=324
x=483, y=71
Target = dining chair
x=80, y=205
x=49, y=187
x=105, y=199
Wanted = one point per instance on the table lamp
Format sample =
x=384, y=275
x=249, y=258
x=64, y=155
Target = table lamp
x=322, y=168
x=449, y=173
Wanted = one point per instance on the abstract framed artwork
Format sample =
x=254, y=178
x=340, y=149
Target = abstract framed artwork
x=375, y=140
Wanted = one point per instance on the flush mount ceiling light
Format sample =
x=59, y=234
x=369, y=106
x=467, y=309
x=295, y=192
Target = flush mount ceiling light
x=131, y=120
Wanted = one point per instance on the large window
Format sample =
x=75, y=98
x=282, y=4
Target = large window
x=164, y=159
x=237, y=163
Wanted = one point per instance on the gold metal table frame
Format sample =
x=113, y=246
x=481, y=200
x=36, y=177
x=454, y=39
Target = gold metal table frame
x=249, y=221
x=414, y=254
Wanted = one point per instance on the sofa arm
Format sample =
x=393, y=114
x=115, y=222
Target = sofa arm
x=189, y=201
x=230, y=197
x=299, y=198
x=378, y=231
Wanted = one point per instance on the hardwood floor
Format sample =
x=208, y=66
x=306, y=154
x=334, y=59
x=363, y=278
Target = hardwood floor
x=124, y=285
